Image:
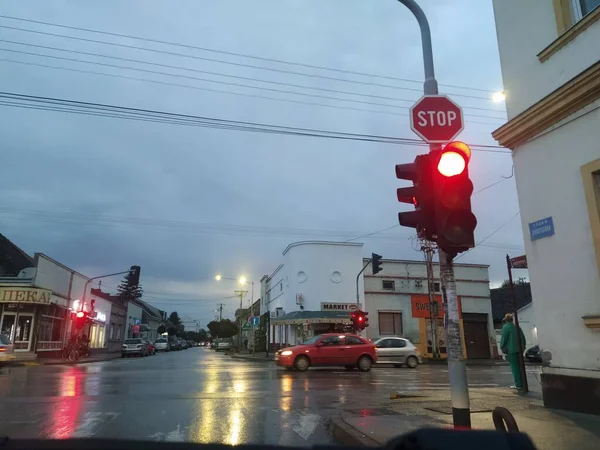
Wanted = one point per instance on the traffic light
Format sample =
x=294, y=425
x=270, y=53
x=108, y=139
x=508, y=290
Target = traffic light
x=80, y=319
x=420, y=195
x=134, y=276
x=354, y=319
x=365, y=322
x=359, y=318
x=454, y=221
x=376, y=263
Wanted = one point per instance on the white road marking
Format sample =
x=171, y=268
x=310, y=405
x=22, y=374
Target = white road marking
x=307, y=425
x=90, y=421
x=172, y=436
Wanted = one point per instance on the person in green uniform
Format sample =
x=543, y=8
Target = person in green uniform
x=509, y=346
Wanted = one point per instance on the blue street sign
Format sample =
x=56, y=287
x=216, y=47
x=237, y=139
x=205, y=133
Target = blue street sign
x=541, y=228
x=255, y=321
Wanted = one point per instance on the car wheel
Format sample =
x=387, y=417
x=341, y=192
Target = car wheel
x=301, y=363
x=412, y=362
x=364, y=363
x=349, y=367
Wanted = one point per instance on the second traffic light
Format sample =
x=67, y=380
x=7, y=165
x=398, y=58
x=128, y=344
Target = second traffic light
x=376, y=263
x=420, y=195
x=359, y=319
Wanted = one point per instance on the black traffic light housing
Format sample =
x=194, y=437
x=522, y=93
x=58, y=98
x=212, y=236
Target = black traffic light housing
x=454, y=221
x=376, y=263
x=359, y=318
x=420, y=195
x=134, y=275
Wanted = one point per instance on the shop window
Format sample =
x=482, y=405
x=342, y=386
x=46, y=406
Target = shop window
x=581, y=8
x=390, y=323
x=388, y=285
x=436, y=287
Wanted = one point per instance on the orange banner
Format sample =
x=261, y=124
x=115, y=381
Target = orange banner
x=419, y=305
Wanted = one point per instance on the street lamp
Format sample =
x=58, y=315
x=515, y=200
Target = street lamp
x=242, y=280
x=499, y=96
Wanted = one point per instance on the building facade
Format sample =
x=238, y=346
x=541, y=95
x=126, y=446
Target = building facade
x=397, y=300
x=312, y=292
x=550, y=61
x=117, y=321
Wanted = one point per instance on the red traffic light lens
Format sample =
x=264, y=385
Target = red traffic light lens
x=80, y=314
x=451, y=164
x=361, y=318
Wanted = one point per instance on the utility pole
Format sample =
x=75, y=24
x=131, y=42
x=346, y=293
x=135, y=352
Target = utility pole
x=241, y=294
x=428, y=251
x=457, y=368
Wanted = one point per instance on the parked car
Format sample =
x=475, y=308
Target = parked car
x=162, y=345
x=6, y=349
x=348, y=350
x=398, y=351
x=222, y=344
x=176, y=345
x=534, y=354
x=184, y=344
x=135, y=347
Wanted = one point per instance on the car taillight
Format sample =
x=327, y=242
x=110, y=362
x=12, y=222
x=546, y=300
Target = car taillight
x=2, y=349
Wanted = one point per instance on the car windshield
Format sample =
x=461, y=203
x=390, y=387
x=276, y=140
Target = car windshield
x=191, y=193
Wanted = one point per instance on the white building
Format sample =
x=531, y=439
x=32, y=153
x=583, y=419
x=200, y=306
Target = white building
x=398, y=304
x=550, y=58
x=313, y=291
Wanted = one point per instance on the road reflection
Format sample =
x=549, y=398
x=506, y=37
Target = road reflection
x=66, y=412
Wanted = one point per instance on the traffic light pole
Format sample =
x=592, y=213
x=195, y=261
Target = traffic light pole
x=457, y=368
x=357, y=279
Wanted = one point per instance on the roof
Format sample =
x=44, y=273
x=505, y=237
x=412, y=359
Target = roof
x=12, y=258
x=151, y=310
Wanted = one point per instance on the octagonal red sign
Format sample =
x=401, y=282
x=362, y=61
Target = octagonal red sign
x=436, y=119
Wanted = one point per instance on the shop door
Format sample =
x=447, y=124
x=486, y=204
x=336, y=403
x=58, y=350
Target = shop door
x=20, y=334
x=477, y=340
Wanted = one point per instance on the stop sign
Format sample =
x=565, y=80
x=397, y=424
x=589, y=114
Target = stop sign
x=436, y=119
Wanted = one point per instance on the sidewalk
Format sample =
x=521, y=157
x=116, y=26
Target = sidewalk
x=548, y=429
x=248, y=356
x=58, y=361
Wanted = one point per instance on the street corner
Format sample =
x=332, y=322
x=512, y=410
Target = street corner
x=345, y=434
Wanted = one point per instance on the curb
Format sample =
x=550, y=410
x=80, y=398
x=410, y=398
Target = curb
x=342, y=433
x=37, y=362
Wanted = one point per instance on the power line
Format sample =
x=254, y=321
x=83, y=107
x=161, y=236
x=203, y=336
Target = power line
x=187, y=119
x=206, y=49
x=279, y=83
x=240, y=94
x=271, y=69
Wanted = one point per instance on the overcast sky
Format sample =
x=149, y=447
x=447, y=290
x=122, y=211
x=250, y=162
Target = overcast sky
x=75, y=187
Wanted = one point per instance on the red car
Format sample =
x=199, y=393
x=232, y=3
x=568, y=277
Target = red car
x=348, y=350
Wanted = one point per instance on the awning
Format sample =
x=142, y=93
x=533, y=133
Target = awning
x=300, y=317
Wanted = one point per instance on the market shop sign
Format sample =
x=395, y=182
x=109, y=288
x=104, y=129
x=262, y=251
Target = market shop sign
x=340, y=306
x=25, y=295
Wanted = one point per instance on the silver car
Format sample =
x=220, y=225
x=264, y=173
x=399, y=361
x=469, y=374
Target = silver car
x=162, y=345
x=222, y=344
x=398, y=351
x=135, y=346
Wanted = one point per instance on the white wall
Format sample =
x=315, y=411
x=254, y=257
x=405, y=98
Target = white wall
x=310, y=268
x=524, y=29
x=527, y=323
x=562, y=268
x=56, y=277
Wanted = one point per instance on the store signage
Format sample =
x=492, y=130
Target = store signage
x=419, y=305
x=25, y=295
x=340, y=306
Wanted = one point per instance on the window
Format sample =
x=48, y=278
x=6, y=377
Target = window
x=331, y=340
x=390, y=323
x=436, y=287
x=388, y=285
x=398, y=343
x=590, y=173
x=581, y=8
x=352, y=340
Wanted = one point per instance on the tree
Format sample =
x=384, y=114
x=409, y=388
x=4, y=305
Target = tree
x=161, y=329
x=175, y=328
x=517, y=282
x=223, y=329
x=127, y=291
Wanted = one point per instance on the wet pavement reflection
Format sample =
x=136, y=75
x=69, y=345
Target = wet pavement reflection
x=200, y=396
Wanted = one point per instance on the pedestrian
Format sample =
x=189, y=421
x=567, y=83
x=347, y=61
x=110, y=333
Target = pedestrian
x=510, y=347
x=246, y=343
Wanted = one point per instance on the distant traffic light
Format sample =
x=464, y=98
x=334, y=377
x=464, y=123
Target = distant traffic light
x=454, y=221
x=376, y=263
x=80, y=319
x=359, y=318
x=134, y=275
x=420, y=195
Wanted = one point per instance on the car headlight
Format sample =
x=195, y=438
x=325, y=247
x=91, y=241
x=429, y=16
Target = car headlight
x=286, y=353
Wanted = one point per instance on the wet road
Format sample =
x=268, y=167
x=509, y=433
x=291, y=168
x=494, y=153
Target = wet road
x=201, y=396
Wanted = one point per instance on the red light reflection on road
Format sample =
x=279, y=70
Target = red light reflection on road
x=66, y=411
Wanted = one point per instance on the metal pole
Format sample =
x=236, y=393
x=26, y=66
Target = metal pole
x=457, y=368
x=432, y=305
x=357, y=278
x=518, y=330
x=252, y=314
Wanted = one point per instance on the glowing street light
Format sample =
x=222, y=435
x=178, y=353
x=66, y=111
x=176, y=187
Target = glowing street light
x=242, y=280
x=499, y=96
x=218, y=277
